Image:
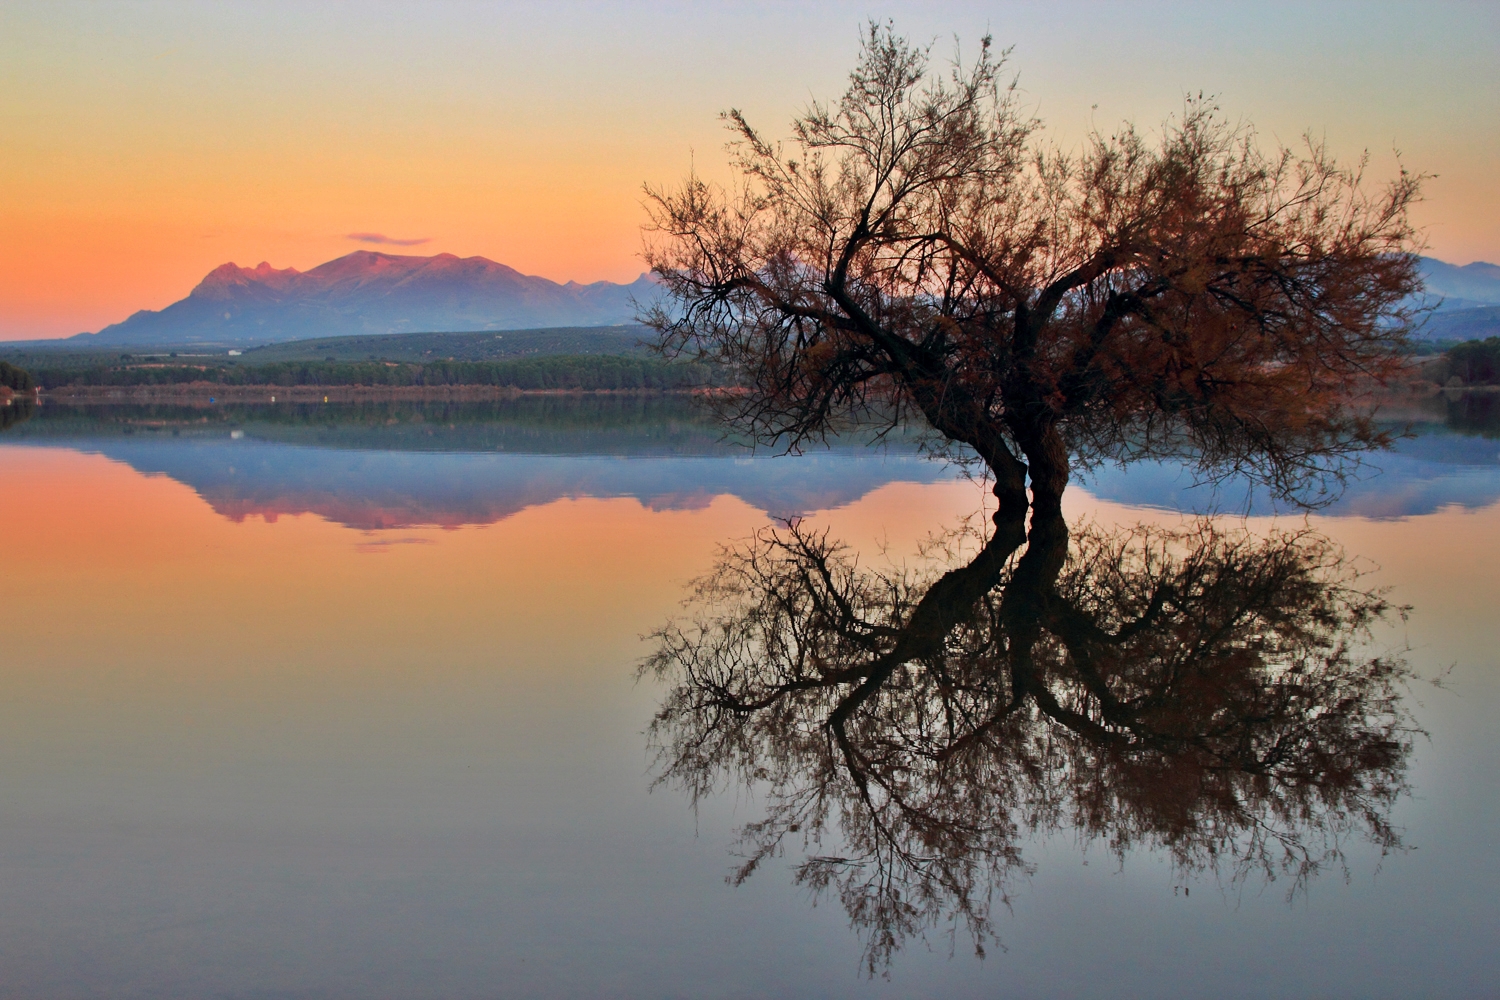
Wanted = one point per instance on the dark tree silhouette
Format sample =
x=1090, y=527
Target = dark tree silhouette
x=1198, y=692
x=914, y=248
x=915, y=251
x=1475, y=362
x=12, y=377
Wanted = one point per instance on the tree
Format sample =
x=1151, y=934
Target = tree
x=1475, y=362
x=915, y=248
x=12, y=377
x=1198, y=691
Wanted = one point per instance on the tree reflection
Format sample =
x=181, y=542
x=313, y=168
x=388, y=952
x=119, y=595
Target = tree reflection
x=1199, y=691
x=17, y=411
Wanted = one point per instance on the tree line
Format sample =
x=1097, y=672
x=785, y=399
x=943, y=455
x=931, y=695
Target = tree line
x=18, y=379
x=1475, y=362
x=575, y=372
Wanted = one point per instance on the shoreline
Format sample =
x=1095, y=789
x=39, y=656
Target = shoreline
x=205, y=393
x=201, y=392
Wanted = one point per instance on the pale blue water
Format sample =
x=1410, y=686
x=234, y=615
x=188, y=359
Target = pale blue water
x=458, y=805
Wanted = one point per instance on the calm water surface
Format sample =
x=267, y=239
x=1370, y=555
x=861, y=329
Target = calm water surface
x=342, y=702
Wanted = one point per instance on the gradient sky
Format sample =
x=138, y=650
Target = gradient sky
x=143, y=144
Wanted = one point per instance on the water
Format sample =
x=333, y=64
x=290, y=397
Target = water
x=323, y=703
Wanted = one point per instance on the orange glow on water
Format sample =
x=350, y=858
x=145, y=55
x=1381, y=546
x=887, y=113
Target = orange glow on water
x=123, y=568
x=119, y=570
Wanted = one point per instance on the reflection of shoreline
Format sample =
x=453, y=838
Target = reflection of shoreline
x=1432, y=403
x=311, y=464
x=1443, y=453
x=374, y=490
x=381, y=463
x=532, y=423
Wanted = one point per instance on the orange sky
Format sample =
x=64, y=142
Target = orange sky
x=146, y=144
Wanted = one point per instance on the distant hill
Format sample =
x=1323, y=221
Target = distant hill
x=1476, y=284
x=1463, y=324
x=1466, y=300
x=366, y=293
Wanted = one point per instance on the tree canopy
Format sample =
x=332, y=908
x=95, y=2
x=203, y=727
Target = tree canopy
x=1475, y=362
x=15, y=378
x=916, y=247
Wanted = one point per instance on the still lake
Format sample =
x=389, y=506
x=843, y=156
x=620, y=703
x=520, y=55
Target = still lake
x=342, y=701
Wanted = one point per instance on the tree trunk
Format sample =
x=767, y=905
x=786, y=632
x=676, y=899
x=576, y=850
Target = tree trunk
x=1047, y=456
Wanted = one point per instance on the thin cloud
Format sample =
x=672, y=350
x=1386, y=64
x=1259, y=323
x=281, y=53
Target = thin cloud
x=385, y=240
x=384, y=544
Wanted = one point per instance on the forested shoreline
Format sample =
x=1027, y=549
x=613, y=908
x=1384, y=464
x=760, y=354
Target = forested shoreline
x=589, y=372
x=1473, y=363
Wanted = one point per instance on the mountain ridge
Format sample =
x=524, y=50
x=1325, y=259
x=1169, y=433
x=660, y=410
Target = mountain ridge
x=369, y=292
x=1454, y=286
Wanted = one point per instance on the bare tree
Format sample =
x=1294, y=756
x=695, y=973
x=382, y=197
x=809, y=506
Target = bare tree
x=1200, y=691
x=914, y=247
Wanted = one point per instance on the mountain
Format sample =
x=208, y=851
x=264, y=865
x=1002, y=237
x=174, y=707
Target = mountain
x=366, y=293
x=1465, y=300
x=1462, y=324
x=1476, y=284
x=372, y=293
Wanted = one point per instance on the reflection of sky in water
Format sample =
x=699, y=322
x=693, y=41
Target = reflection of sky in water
x=242, y=757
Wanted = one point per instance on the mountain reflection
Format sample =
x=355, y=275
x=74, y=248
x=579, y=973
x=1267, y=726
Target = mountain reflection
x=388, y=465
x=1200, y=692
x=396, y=464
x=1444, y=455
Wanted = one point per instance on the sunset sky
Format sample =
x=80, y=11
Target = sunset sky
x=144, y=144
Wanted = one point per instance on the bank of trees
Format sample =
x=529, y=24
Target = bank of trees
x=560, y=372
x=1475, y=362
x=17, y=379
